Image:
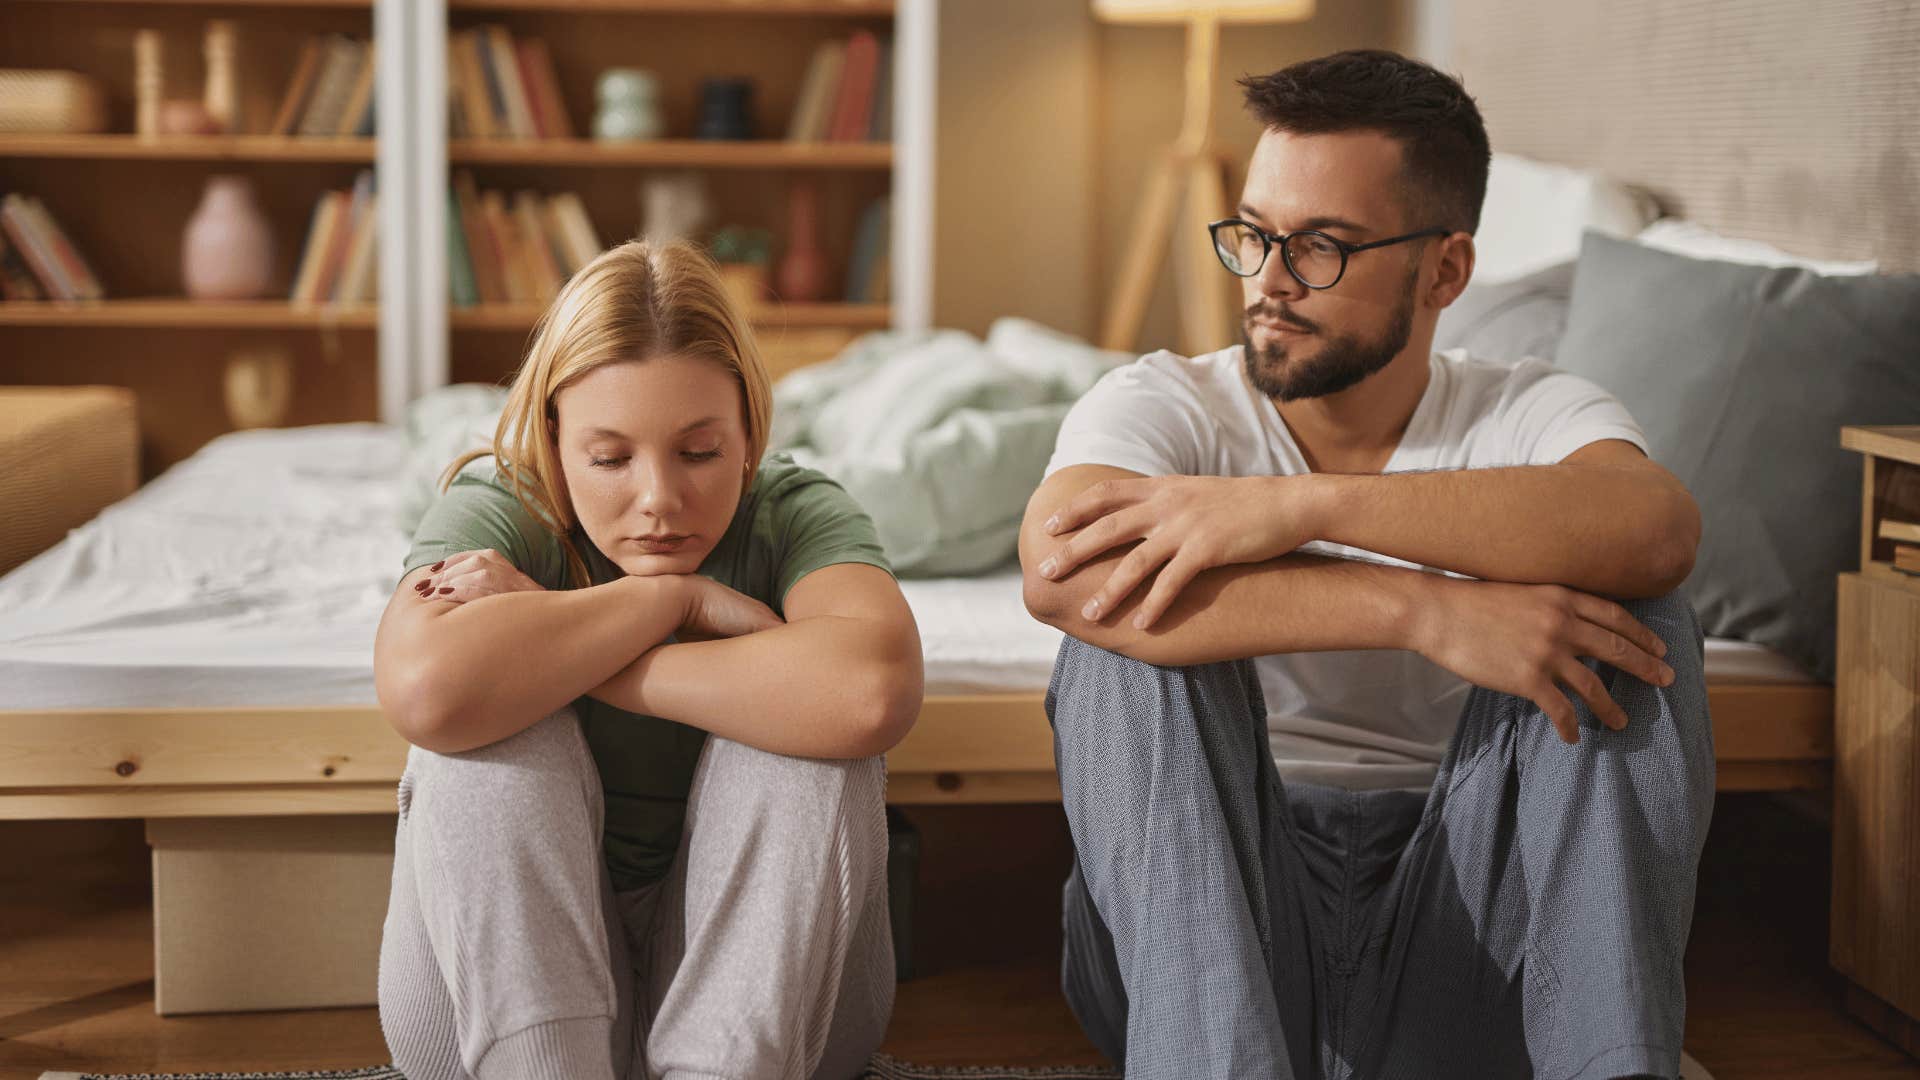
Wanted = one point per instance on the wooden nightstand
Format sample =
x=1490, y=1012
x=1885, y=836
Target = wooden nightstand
x=1876, y=815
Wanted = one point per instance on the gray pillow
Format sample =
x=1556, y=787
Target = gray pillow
x=1509, y=321
x=1741, y=377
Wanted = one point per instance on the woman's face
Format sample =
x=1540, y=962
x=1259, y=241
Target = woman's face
x=653, y=454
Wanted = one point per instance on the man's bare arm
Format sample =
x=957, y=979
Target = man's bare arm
x=1295, y=603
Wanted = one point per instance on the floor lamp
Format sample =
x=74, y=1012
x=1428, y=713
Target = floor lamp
x=1191, y=166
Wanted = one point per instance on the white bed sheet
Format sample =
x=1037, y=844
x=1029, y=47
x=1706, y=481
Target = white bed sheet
x=254, y=574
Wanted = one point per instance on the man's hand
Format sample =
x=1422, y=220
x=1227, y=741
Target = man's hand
x=715, y=611
x=1527, y=640
x=1185, y=525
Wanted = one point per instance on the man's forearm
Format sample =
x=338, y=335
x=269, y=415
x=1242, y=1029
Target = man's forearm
x=827, y=686
x=1296, y=603
x=1610, y=530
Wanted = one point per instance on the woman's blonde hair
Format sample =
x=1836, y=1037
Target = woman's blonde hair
x=632, y=303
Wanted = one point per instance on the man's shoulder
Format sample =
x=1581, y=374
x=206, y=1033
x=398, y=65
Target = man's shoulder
x=1166, y=371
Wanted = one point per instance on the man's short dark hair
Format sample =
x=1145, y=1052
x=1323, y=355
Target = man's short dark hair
x=1443, y=141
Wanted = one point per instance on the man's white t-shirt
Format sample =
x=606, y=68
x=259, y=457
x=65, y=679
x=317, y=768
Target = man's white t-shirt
x=1373, y=718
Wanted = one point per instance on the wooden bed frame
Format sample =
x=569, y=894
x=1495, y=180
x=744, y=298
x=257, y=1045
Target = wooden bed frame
x=977, y=748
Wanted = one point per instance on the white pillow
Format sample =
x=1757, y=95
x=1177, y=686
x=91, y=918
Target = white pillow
x=1696, y=240
x=1535, y=213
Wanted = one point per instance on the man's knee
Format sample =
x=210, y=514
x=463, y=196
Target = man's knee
x=1096, y=696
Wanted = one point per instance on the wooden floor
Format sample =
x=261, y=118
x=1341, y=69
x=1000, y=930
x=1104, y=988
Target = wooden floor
x=76, y=958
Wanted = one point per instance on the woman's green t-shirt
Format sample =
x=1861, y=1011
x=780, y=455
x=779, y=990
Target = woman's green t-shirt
x=791, y=522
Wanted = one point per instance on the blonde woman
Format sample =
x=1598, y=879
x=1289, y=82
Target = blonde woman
x=648, y=678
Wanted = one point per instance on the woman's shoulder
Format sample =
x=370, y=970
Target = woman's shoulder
x=480, y=509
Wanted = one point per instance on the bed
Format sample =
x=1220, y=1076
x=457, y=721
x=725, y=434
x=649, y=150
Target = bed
x=204, y=647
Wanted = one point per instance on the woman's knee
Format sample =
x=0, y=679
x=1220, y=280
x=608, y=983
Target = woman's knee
x=547, y=759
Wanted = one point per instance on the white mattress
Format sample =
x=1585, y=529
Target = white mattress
x=255, y=572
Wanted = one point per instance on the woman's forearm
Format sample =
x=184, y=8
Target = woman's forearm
x=490, y=668
x=827, y=686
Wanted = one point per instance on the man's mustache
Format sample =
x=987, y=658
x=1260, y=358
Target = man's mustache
x=1277, y=314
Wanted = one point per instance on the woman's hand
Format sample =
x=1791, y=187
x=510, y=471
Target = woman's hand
x=1528, y=640
x=715, y=611
x=471, y=575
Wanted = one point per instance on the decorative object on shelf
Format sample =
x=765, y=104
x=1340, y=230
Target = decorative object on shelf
x=258, y=387
x=802, y=275
x=726, y=108
x=185, y=116
x=50, y=103
x=742, y=253
x=149, y=82
x=227, y=252
x=222, y=93
x=629, y=105
x=672, y=206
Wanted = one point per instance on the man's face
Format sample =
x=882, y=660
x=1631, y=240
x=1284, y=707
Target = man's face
x=1301, y=342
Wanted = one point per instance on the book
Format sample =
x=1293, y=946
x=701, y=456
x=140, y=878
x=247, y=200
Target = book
x=543, y=87
x=318, y=231
x=578, y=237
x=463, y=289
x=881, y=129
x=543, y=267
x=487, y=272
x=15, y=222
x=16, y=277
x=853, y=105
x=871, y=237
x=490, y=79
x=1906, y=557
x=506, y=247
x=360, y=99
x=338, y=71
x=513, y=93
x=817, y=88
x=333, y=257
x=72, y=266
x=1892, y=529
x=358, y=276
x=287, y=117
x=476, y=100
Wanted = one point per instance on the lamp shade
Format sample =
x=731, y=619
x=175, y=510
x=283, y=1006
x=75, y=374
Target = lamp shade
x=1180, y=11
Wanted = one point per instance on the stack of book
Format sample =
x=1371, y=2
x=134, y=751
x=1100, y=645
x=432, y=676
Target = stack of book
x=1906, y=547
x=501, y=88
x=332, y=89
x=340, y=263
x=37, y=260
x=847, y=94
x=518, y=250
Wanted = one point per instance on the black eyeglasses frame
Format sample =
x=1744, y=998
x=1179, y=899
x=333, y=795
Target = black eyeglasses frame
x=1279, y=240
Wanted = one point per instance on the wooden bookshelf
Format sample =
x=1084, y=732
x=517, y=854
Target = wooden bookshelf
x=521, y=317
x=247, y=148
x=673, y=153
x=789, y=8
x=171, y=313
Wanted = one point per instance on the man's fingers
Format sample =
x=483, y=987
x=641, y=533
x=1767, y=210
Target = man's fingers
x=1622, y=652
x=1616, y=618
x=1581, y=680
x=1097, y=501
x=1106, y=532
x=1126, y=577
x=1174, y=577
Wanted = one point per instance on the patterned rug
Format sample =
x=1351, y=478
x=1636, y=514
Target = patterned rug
x=881, y=1067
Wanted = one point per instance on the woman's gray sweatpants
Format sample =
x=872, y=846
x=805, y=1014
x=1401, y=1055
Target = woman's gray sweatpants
x=1525, y=918
x=765, y=952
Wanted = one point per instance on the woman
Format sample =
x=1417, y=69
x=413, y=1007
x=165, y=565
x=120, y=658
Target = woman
x=648, y=679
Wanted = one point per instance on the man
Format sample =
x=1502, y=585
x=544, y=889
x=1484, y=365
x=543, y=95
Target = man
x=1476, y=855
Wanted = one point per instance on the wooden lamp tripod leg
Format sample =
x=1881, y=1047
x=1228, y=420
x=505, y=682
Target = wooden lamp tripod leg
x=1146, y=247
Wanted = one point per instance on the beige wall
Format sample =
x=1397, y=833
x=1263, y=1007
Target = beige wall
x=1046, y=122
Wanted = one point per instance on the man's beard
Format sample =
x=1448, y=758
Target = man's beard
x=1343, y=360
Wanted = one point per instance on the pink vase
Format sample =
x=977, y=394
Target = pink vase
x=802, y=275
x=227, y=252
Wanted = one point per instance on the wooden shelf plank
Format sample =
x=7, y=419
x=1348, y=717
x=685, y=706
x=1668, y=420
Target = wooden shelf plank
x=190, y=147
x=521, y=317
x=1900, y=442
x=366, y=4
x=180, y=313
x=681, y=153
x=858, y=8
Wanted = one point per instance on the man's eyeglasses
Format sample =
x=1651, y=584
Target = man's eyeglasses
x=1315, y=259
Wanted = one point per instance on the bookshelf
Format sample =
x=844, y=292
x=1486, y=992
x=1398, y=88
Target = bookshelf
x=125, y=199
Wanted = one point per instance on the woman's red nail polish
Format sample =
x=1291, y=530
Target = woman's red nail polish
x=436, y=566
x=445, y=589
